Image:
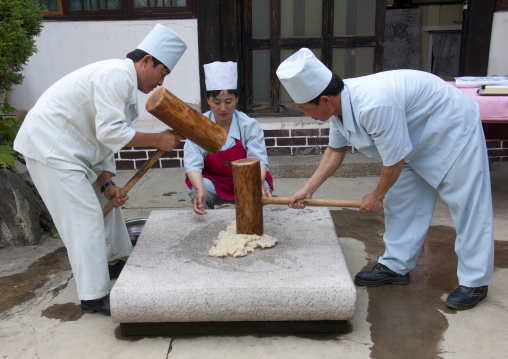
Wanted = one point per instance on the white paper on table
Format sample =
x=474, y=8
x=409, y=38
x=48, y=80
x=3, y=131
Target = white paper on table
x=477, y=81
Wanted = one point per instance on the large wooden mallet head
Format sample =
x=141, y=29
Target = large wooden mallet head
x=247, y=183
x=249, y=201
x=186, y=121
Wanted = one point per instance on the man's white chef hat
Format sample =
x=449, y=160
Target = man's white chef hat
x=304, y=76
x=221, y=76
x=164, y=44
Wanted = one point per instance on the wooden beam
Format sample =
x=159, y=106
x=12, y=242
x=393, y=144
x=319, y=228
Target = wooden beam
x=209, y=38
x=380, y=35
x=327, y=32
x=476, y=32
x=274, y=54
x=246, y=48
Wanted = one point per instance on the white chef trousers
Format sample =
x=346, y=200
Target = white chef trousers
x=212, y=198
x=410, y=203
x=91, y=240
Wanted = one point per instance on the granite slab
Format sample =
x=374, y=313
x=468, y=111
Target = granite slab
x=170, y=277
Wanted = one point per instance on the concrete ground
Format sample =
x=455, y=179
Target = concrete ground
x=40, y=315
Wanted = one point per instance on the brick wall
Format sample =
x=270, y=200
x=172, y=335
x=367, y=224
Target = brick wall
x=498, y=151
x=130, y=158
x=296, y=141
x=279, y=142
x=282, y=139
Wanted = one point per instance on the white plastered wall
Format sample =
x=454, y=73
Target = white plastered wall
x=498, y=56
x=66, y=46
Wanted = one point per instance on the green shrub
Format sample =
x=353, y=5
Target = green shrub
x=20, y=22
x=9, y=126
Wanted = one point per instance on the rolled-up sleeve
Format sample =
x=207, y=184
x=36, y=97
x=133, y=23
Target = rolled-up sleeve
x=106, y=165
x=193, y=157
x=336, y=138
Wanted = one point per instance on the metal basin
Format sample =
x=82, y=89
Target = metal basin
x=134, y=227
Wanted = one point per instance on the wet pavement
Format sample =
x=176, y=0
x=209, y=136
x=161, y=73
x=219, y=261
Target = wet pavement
x=40, y=315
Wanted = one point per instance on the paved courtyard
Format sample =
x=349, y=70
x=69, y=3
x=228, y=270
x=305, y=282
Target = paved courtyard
x=40, y=315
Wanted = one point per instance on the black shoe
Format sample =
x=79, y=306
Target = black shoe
x=115, y=269
x=466, y=297
x=92, y=306
x=380, y=275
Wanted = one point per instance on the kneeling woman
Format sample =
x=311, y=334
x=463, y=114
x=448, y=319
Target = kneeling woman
x=209, y=177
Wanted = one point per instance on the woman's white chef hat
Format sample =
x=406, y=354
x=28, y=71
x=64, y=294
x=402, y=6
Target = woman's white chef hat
x=304, y=76
x=221, y=76
x=164, y=44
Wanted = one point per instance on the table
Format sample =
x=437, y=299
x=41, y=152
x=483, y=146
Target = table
x=493, y=113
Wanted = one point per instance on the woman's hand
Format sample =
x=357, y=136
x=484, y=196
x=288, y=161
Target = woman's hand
x=199, y=202
x=265, y=192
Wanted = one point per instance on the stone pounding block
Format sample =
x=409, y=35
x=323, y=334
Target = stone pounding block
x=170, y=277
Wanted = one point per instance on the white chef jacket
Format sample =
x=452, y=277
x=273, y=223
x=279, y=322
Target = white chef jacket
x=406, y=114
x=68, y=139
x=83, y=119
x=417, y=117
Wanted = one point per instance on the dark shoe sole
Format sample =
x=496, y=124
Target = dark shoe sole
x=89, y=310
x=459, y=306
x=377, y=283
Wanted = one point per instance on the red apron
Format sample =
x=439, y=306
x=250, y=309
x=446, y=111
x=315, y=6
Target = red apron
x=222, y=175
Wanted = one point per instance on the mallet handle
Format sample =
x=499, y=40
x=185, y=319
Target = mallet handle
x=128, y=186
x=313, y=202
x=185, y=122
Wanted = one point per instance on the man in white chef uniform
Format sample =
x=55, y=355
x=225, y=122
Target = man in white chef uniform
x=69, y=139
x=430, y=139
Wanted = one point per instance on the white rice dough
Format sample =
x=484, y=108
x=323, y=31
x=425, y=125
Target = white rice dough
x=238, y=245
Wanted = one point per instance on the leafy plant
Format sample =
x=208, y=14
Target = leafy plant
x=9, y=126
x=7, y=156
x=54, y=233
x=20, y=22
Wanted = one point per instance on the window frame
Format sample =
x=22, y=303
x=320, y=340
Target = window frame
x=126, y=12
x=501, y=5
x=326, y=42
x=54, y=13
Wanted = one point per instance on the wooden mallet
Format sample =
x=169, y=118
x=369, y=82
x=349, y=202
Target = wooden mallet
x=249, y=201
x=184, y=121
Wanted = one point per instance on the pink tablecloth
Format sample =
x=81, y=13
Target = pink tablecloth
x=492, y=108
